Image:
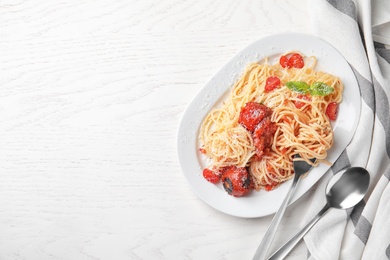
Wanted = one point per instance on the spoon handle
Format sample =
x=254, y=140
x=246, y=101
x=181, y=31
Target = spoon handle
x=262, y=250
x=292, y=242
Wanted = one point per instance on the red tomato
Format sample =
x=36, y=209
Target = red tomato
x=263, y=136
x=299, y=104
x=293, y=60
x=296, y=61
x=272, y=83
x=237, y=181
x=332, y=110
x=211, y=176
x=283, y=61
x=252, y=114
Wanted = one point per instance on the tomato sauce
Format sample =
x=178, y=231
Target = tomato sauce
x=263, y=136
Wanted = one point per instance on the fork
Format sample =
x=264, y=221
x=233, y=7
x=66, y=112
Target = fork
x=300, y=168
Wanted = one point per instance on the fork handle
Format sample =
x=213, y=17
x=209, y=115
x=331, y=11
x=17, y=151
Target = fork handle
x=265, y=244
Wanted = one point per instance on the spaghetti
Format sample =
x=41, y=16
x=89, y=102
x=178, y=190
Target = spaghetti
x=301, y=102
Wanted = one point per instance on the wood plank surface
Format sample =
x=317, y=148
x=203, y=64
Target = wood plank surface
x=91, y=96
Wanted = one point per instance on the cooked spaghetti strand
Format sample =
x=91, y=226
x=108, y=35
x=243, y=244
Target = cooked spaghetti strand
x=305, y=129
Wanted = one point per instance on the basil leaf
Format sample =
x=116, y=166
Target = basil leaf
x=320, y=89
x=298, y=86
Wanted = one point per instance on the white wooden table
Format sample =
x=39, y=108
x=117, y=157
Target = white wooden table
x=91, y=96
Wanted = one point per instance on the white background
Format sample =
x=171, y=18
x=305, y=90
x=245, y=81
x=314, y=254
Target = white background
x=91, y=97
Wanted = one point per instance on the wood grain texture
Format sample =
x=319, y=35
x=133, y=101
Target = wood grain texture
x=91, y=96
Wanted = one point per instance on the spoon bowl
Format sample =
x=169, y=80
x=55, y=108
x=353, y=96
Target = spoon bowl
x=347, y=187
x=344, y=190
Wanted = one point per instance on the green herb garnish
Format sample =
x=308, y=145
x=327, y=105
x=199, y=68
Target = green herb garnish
x=320, y=89
x=298, y=86
x=316, y=89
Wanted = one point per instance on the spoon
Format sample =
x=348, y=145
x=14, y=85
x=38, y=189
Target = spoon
x=344, y=190
x=300, y=168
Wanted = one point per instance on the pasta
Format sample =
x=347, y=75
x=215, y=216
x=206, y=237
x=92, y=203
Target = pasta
x=301, y=101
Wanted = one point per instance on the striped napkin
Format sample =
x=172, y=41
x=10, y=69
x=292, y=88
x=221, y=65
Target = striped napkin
x=360, y=30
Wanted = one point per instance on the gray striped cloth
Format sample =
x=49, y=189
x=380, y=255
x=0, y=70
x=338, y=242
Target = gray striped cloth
x=360, y=30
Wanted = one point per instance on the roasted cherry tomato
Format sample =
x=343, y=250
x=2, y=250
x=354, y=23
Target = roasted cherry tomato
x=252, y=114
x=263, y=136
x=271, y=83
x=283, y=61
x=237, y=181
x=332, y=110
x=293, y=60
x=211, y=176
x=296, y=61
x=300, y=104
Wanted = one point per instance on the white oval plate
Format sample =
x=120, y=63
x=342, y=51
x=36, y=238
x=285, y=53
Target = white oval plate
x=263, y=203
